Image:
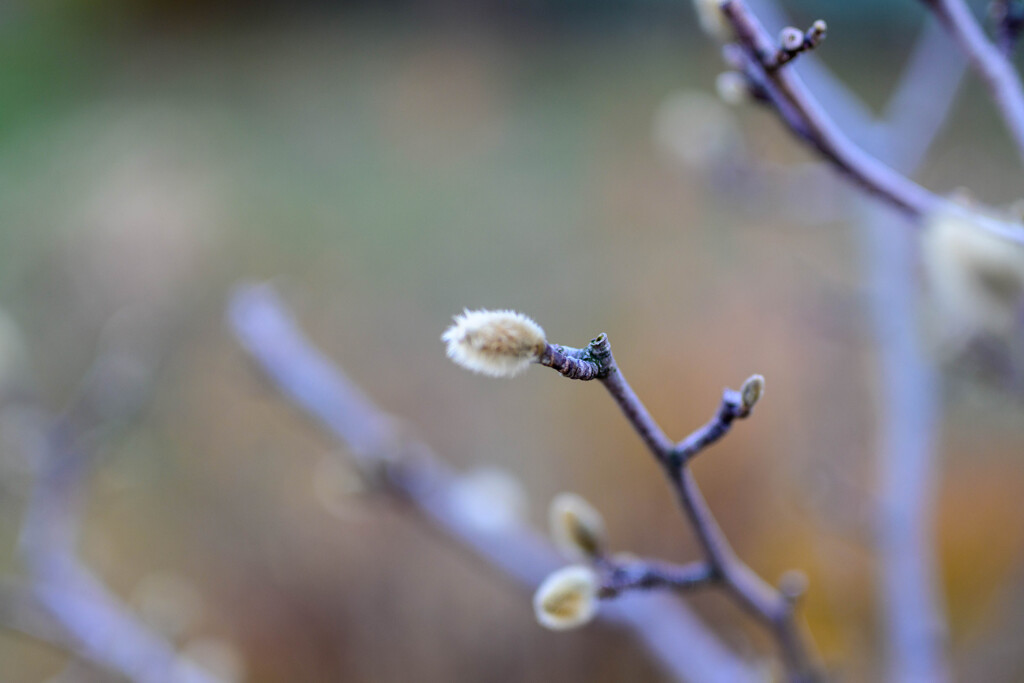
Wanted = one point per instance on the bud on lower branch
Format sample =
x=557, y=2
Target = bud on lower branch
x=568, y=598
x=576, y=527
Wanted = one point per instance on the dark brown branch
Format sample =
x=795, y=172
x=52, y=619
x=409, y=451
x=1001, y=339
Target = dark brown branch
x=596, y=362
x=618, y=578
x=987, y=60
x=753, y=594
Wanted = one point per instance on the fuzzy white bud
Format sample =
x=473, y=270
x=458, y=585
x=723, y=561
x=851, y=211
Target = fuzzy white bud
x=752, y=391
x=976, y=277
x=791, y=38
x=568, y=598
x=495, y=343
x=576, y=527
x=712, y=20
x=732, y=87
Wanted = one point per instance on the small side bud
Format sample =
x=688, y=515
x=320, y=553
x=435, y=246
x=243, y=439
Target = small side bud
x=752, y=391
x=793, y=584
x=495, y=343
x=791, y=39
x=567, y=599
x=576, y=527
x=732, y=87
x=817, y=32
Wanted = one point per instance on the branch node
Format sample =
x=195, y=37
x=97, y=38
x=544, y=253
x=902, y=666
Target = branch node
x=793, y=41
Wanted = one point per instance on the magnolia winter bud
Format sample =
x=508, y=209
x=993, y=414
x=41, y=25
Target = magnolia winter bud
x=752, y=391
x=576, y=527
x=793, y=584
x=817, y=32
x=976, y=277
x=567, y=598
x=791, y=38
x=495, y=343
x=712, y=20
x=732, y=87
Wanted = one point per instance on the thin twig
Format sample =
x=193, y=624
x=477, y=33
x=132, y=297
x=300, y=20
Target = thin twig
x=987, y=60
x=738, y=581
x=649, y=575
x=674, y=637
x=788, y=92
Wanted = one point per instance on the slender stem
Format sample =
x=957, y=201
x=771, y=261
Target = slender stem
x=751, y=592
x=910, y=600
x=987, y=60
x=635, y=411
x=817, y=127
x=676, y=638
x=718, y=426
x=647, y=575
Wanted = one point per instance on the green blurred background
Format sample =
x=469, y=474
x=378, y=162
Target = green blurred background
x=388, y=164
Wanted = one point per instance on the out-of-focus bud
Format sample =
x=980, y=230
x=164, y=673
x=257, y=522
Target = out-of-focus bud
x=567, y=598
x=791, y=39
x=732, y=87
x=976, y=277
x=752, y=391
x=495, y=343
x=712, y=20
x=817, y=32
x=793, y=584
x=576, y=527
x=490, y=499
x=697, y=129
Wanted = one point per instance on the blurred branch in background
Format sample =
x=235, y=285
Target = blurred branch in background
x=64, y=603
x=987, y=60
x=915, y=622
x=909, y=410
x=407, y=469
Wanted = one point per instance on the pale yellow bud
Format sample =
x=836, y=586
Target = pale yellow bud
x=752, y=391
x=495, y=343
x=567, y=598
x=576, y=527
